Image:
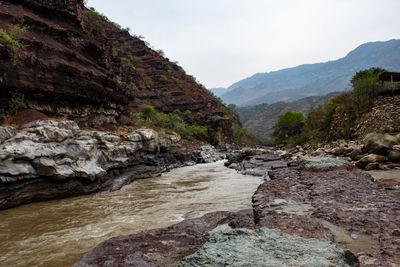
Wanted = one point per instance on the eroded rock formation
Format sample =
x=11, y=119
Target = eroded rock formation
x=53, y=159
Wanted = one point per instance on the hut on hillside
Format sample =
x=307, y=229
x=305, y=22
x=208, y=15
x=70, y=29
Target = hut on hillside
x=389, y=83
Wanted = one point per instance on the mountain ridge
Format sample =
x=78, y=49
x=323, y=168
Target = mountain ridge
x=304, y=80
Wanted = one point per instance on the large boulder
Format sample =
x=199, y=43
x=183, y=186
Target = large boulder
x=380, y=144
x=206, y=154
x=369, y=159
x=394, y=155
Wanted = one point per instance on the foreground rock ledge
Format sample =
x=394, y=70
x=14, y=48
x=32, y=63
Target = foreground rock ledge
x=55, y=159
x=167, y=247
x=340, y=204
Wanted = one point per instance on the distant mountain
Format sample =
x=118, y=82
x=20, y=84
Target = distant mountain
x=313, y=79
x=261, y=118
x=218, y=91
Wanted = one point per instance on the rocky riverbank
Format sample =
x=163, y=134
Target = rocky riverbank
x=325, y=199
x=379, y=154
x=55, y=159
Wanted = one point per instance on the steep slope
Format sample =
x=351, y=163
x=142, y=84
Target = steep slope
x=261, y=120
x=76, y=64
x=313, y=79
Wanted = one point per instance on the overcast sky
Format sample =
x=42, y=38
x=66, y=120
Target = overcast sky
x=223, y=41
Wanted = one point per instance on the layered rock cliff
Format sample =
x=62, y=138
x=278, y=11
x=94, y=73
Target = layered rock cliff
x=55, y=159
x=76, y=64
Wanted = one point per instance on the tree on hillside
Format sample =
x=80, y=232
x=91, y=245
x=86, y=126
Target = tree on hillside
x=365, y=88
x=288, y=125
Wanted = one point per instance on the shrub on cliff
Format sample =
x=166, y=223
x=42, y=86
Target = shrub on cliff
x=170, y=121
x=148, y=111
x=11, y=40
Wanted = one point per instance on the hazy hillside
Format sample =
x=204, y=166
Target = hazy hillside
x=313, y=79
x=261, y=118
x=218, y=91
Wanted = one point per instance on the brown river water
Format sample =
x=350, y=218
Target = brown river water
x=59, y=232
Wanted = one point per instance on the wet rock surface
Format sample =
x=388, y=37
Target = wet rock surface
x=161, y=247
x=54, y=159
x=263, y=247
x=254, y=162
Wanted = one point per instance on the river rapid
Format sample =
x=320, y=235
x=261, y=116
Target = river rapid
x=58, y=233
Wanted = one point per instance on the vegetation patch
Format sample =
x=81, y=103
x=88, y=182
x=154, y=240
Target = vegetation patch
x=163, y=79
x=245, y=137
x=93, y=17
x=11, y=40
x=171, y=122
x=133, y=88
x=16, y=103
x=148, y=81
x=336, y=118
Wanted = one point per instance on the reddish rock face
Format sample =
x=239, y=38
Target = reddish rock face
x=78, y=65
x=309, y=203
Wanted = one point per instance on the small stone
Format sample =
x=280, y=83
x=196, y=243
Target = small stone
x=372, y=166
x=355, y=154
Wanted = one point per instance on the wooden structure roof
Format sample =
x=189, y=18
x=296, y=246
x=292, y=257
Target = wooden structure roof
x=390, y=77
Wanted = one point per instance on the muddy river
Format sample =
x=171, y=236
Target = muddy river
x=57, y=233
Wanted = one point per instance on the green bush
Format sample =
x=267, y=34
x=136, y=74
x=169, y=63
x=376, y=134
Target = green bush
x=127, y=128
x=148, y=111
x=200, y=132
x=336, y=118
x=191, y=77
x=12, y=42
x=133, y=88
x=296, y=140
x=131, y=60
x=16, y=103
x=148, y=81
x=163, y=79
x=365, y=88
x=288, y=125
x=171, y=122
